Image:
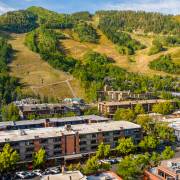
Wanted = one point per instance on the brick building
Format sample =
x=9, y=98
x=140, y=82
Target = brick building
x=168, y=170
x=110, y=108
x=69, y=141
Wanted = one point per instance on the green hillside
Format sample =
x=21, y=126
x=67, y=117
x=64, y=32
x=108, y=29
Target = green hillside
x=76, y=46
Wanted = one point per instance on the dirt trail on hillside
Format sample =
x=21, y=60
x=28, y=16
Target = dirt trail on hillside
x=105, y=46
x=34, y=72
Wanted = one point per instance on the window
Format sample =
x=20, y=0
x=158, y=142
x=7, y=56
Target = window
x=116, y=133
x=93, y=142
x=57, y=152
x=28, y=143
x=29, y=156
x=106, y=140
x=57, y=146
x=93, y=147
x=57, y=139
x=44, y=141
x=30, y=149
x=83, y=143
x=82, y=149
x=82, y=136
x=106, y=134
x=94, y=135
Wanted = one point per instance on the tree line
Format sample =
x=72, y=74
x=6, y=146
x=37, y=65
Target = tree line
x=9, y=86
x=27, y=20
x=18, y=21
x=132, y=20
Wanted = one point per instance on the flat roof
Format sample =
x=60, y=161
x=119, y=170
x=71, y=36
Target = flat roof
x=105, y=175
x=51, y=132
x=73, y=175
x=64, y=119
x=114, y=103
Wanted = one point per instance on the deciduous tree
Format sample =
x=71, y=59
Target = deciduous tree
x=125, y=146
x=8, y=159
x=39, y=158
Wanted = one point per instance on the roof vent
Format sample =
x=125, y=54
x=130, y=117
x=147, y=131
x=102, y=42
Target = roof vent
x=22, y=132
x=68, y=127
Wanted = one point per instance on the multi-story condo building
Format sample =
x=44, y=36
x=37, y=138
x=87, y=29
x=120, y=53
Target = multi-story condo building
x=69, y=141
x=112, y=95
x=52, y=122
x=109, y=108
x=26, y=110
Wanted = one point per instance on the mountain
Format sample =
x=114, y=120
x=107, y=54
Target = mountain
x=81, y=50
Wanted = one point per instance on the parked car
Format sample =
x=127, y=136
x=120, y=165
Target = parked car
x=47, y=172
x=38, y=172
x=23, y=174
x=113, y=161
x=55, y=170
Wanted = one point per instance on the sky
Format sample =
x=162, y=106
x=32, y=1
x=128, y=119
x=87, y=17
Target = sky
x=69, y=6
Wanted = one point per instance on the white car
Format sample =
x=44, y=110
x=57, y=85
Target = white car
x=22, y=174
x=55, y=170
x=38, y=172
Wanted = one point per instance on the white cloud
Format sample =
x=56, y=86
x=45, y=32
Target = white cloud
x=5, y=8
x=164, y=6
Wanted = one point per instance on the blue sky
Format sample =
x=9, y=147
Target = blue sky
x=68, y=6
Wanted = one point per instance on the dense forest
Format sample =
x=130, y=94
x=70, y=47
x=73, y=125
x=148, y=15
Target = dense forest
x=86, y=32
x=9, y=86
x=18, y=21
x=165, y=63
x=51, y=19
x=132, y=20
x=82, y=16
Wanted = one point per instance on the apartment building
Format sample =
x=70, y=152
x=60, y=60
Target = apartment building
x=26, y=110
x=51, y=122
x=112, y=95
x=109, y=108
x=70, y=141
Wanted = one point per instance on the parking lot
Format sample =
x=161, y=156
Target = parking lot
x=38, y=174
x=32, y=175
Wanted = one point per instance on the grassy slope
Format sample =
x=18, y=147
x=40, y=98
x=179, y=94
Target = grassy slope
x=78, y=49
x=32, y=70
